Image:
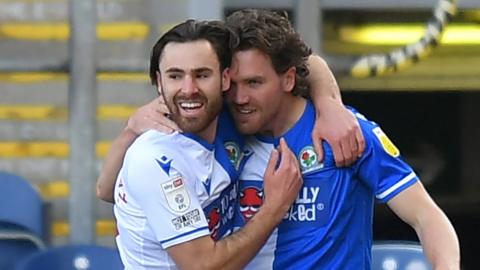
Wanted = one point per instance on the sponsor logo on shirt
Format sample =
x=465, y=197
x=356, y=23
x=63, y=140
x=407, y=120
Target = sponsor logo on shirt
x=251, y=198
x=176, y=194
x=188, y=219
x=220, y=213
x=165, y=164
x=387, y=144
x=207, y=183
x=310, y=208
x=311, y=205
x=214, y=222
x=309, y=160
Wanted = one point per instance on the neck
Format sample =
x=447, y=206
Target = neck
x=208, y=134
x=290, y=111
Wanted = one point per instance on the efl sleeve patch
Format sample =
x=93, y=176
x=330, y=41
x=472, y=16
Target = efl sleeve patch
x=387, y=144
x=176, y=194
x=186, y=220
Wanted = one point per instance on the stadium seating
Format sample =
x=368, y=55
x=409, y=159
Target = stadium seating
x=73, y=257
x=399, y=256
x=21, y=220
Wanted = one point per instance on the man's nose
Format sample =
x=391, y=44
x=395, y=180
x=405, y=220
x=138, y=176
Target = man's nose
x=189, y=85
x=240, y=95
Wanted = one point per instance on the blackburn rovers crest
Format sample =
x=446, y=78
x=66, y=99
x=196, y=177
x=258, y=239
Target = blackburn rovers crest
x=309, y=160
x=234, y=153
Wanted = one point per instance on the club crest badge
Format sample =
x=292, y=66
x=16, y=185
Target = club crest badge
x=309, y=160
x=176, y=194
x=234, y=153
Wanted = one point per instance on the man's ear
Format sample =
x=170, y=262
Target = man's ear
x=288, y=80
x=226, y=79
x=159, y=82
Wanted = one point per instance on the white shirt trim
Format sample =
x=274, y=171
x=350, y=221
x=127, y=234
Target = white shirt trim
x=400, y=183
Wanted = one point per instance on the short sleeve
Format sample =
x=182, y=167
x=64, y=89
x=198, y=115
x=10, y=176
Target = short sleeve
x=169, y=201
x=381, y=166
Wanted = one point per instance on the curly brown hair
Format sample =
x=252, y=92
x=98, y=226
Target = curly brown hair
x=273, y=34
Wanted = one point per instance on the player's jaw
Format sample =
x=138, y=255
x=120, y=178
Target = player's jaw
x=247, y=118
x=194, y=113
x=251, y=116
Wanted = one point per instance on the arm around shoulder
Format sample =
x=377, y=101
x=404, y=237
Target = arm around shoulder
x=112, y=165
x=322, y=81
x=334, y=123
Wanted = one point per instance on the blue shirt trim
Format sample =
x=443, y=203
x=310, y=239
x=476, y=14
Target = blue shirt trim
x=184, y=234
x=201, y=141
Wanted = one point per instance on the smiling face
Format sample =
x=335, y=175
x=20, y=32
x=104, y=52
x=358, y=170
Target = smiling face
x=191, y=83
x=258, y=93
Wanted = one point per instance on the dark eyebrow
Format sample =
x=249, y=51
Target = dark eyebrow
x=197, y=70
x=254, y=78
x=174, y=69
x=203, y=69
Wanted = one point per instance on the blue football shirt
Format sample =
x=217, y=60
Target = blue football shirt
x=329, y=226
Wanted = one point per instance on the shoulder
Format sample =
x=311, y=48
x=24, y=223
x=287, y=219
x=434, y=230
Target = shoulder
x=156, y=156
x=374, y=136
x=151, y=142
x=155, y=145
x=365, y=124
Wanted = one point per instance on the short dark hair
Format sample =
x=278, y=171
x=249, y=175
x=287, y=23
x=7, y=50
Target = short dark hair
x=221, y=37
x=274, y=35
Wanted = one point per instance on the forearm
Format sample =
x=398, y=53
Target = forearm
x=231, y=252
x=436, y=233
x=439, y=240
x=243, y=245
x=282, y=182
x=112, y=165
x=334, y=122
x=323, y=85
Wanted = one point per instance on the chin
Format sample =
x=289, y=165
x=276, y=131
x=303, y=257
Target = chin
x=246, y=129
x=192, y=125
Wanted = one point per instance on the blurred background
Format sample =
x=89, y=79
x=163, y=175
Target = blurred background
x=65, y=92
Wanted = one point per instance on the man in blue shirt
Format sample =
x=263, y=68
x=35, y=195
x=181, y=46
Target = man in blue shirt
x=330, y=224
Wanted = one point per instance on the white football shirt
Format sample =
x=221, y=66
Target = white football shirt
x=173, y=188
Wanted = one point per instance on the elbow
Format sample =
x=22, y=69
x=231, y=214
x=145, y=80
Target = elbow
x=104, y=194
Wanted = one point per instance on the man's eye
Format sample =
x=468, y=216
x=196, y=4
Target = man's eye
x=202, y=76
x=174, y=76
x=253, y=82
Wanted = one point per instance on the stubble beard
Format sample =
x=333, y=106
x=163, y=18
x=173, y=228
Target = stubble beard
x=248, y=127
x=212, y=108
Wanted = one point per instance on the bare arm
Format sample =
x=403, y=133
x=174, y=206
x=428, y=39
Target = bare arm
x=281, y=187
x=149, y=116
x=334, y=123
x=436, y=233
